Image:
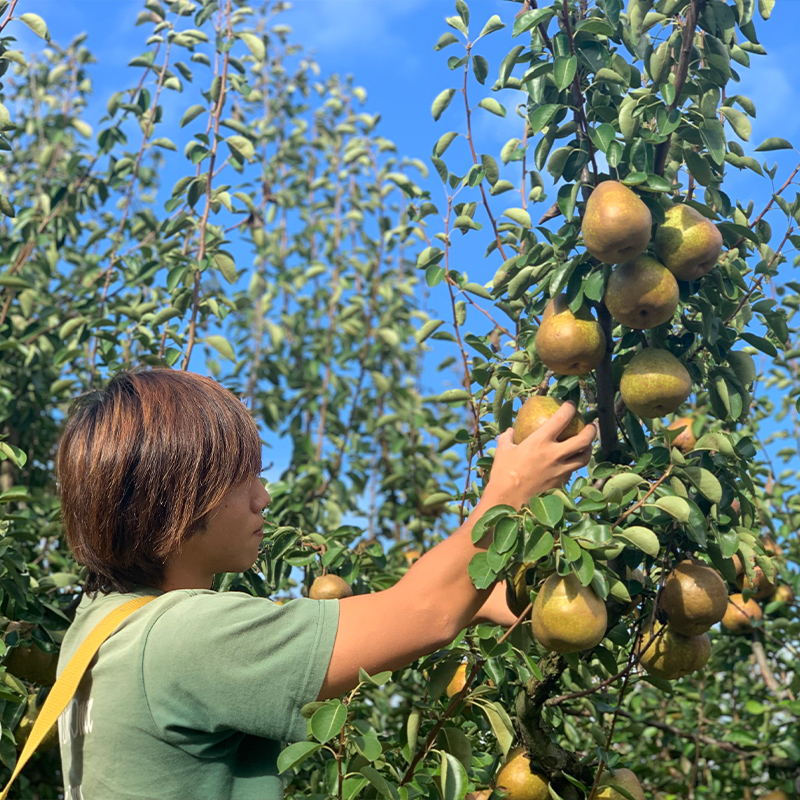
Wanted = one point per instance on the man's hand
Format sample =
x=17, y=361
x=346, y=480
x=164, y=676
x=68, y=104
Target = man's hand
x=540, y=462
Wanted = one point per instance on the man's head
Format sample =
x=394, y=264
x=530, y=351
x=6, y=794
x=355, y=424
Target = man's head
x=140, y=466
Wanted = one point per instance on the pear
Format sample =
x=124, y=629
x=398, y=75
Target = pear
x=762, y=587
x=694, y=598
x=623, y=778
x=687, y=243
x=518, y=586
x=783, y=594
x=654, y=383
x=329, y=587
x=567, y=343
x=535, y=411
x=567, y=616
x=25, y=726
x=685, y=440
x=641, y=293
x=616, y=223
x=673, y=655
x=738, y=614
x=515, y=781
x=779, y=794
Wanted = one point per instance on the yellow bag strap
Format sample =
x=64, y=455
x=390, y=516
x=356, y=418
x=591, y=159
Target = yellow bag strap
x=67, y=684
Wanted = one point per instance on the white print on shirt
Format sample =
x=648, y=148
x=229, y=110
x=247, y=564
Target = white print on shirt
x=76, y=721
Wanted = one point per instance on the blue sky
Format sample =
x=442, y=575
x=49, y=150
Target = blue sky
x=388, y=48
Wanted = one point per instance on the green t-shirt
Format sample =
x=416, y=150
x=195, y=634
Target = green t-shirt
x=192, y=696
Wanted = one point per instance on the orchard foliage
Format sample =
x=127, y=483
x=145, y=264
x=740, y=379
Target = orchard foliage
x=288, y=256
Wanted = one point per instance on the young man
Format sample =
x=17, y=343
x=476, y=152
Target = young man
x=195, y=692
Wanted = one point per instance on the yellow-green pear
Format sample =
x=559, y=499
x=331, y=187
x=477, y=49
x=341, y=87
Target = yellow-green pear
x=641, y=293
x=567, y=343
x=623, y=778
x=515, y=781
x=687, y=243
x=535, y=411
x=654, y=383
x=694, y=598
x=616, y=223
x=330, y=587
x=739, y=613
x=567, y=616
x=672, y=655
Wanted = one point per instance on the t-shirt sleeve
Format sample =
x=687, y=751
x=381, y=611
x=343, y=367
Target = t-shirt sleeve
x=229, y=661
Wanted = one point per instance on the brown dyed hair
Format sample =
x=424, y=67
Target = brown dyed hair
x=141, y=464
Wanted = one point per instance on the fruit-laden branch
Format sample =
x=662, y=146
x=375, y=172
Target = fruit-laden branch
x=681, y=73
x=535, y=734
x=606, y=415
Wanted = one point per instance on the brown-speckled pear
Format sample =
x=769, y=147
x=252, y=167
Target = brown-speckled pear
x=654, y=383
x=616, y=223
x=672, y=655
x=687, y=243
x=567, y=616
x=738, y=614
x=330, y=587
x=694, y=598
x=623, y=778
x=567, y=343
x=535, y=411
x=641, y=293
x=515, y=781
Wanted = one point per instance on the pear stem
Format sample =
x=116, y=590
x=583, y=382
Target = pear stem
x=609, y=444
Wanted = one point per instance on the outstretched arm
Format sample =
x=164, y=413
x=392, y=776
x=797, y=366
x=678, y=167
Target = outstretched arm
x=436, y=599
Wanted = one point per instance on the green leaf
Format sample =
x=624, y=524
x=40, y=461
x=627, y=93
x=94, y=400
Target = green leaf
x=524, y=22
x=224, y=262
x=501, y=725
x=540, y=118
x=489, y=519
x=328, y=721
x=619, y=485
x=564, y=69
x=765, y=8
x=676, y=507
x=455, y=742
x=490, y=104
x=444, y=40
x=295, y=754
x=412, y=730
x=190, y=114
x=541, y=547
x=255, y=44
x=548, y=509
x=17, y=494
x=773, y=143
x=222, y=346
x=454, y=777
x=36, y=24
x=441, y=102
x=8, y=210
x=717, y=442
x=739, y=122
x=379, y=783
x=493, y=24
x=241, y=146
x=518, y=215
x=490, y=168
x=706, y=483
x=427, y=329
x=445, y=140
x=483, y=576
x=505, y=534
x=642, y=538
x=480, y=66
x=70, y=326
